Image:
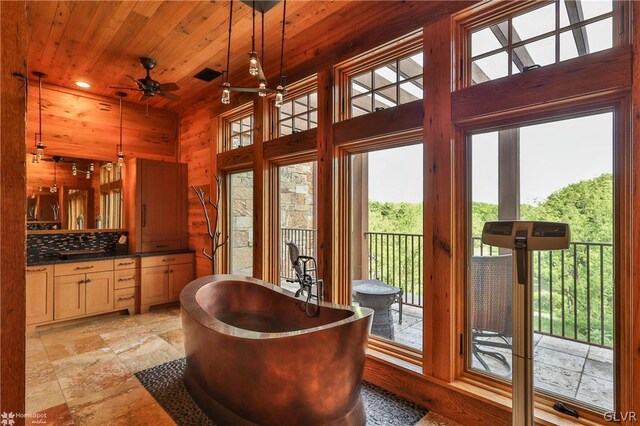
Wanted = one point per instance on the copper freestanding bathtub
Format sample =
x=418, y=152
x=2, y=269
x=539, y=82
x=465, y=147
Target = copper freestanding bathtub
x=254, y=357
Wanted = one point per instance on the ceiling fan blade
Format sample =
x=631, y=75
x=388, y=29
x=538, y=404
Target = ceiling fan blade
x=140, y=86
x=168, y=87
x=170, y=96
x=244, y=89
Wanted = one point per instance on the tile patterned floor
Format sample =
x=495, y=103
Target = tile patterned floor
x=82, y=374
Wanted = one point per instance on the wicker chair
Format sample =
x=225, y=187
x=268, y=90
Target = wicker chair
x=491, y=324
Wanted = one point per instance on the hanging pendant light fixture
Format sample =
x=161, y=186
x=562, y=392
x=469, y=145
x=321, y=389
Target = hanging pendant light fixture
x=54, y=188
x=120, y=161
x=38, y=136
x=255, y=64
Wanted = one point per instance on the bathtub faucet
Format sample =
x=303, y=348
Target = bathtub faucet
x=307, y=279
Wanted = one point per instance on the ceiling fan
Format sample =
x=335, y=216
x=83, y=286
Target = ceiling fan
x=150, y=87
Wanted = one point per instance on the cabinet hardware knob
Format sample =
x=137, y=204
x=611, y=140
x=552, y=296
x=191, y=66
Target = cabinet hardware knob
x=126, y=298
x=171, y=271
x=127, y=263
x=168, y=260
x=132, y=277
x=36, y=270
x=81, y=282
x=144, y=215
x=87, y=281
x=85, y=267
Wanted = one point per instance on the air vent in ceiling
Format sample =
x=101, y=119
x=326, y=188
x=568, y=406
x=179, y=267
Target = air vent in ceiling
x=208, y=75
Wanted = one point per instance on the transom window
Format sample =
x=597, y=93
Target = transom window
x=298, y=114
x=241, y=132
x=539, y=36
x=393, y=83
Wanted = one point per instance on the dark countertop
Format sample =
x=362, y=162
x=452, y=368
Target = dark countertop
x=51, y=260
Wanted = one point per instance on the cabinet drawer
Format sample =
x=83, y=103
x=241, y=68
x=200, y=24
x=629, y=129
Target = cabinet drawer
x=169, y=259
x=151, y=246
x=125, y=278
x=83, y=267
x=125, y=297
x=126, y=263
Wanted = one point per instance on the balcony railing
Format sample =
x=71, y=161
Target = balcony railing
x=573, y=288
x=572, y=291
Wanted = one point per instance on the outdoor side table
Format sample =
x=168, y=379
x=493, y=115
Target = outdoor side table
x=378, y=296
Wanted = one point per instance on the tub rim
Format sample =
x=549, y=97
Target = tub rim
x=190, y=306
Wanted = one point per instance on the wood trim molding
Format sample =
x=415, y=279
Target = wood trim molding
x=260, y=191
x=294, y=144
x=236, y=159
x=13, y=114
x=392, y=120
x=439, y=207
x=635, y=225
x=544, y=85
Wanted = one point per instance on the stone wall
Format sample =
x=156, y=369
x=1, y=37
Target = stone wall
x=241, y=223
x=297, y=196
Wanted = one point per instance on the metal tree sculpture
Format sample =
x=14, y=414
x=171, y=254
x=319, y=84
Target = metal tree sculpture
x=213, y=232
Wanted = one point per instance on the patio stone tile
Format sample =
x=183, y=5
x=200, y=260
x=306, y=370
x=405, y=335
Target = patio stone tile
x=556, y=379
x=497, y=368
x=596, y=391
x=601, y=354
x=435, y=419
x=410, y=336
x=563, y=345
x=601, y=370
x=559, y=359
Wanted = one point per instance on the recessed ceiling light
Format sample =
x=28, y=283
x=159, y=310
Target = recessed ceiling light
x=83, y=84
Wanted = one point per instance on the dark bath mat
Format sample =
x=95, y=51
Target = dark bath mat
x=164, y=382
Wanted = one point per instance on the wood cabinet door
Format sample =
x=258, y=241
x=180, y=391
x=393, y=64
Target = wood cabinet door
x=39, y=294
x=154, y=285
x=99, y=292
x=162, y=203
x=179, y=276
x=69, y=296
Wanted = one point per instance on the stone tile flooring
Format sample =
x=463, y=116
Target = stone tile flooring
x=82, y=373
x=565, y=367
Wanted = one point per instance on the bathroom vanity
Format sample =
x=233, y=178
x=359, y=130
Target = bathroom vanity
x=75, y=289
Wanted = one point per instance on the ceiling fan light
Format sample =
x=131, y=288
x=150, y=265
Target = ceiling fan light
x=226, y=93
x=253, y=63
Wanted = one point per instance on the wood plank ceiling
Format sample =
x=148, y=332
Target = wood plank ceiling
x=100, y=42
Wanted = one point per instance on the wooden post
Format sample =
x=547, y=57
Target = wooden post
x=13, y=113
x=260, y=216
x=438, y=204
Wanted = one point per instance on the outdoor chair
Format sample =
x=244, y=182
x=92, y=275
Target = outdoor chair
x=305, y=268
x=491, y=324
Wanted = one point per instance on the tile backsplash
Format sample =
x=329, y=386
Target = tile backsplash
x=47, y=245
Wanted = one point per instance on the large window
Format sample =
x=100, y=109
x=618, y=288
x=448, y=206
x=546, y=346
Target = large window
x=240, y=214
x=559, y=170
x=297, y=211
x=237, y=128
x=541, y=35
x=387, y=241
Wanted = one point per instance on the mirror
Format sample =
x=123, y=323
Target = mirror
x=73, y=194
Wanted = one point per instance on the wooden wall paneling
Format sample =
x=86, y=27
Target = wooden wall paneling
x=196, y=132
x=635, y=225
x=392, y=120
x=13, y=54
x=545, y=84
x=325, y=197
x=80, y=124
x=236, y=159
x=297, y=143
x=439, y=249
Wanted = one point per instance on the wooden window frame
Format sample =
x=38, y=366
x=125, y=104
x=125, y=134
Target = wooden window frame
x=395, y=353
x=303, y=87
x=619, y=103
x=493, y=12
x=227, y=119
x=345, y=71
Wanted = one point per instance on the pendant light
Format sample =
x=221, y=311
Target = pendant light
x=54, y=188
x=38, y=136
x=120, y=161
x=255, y=64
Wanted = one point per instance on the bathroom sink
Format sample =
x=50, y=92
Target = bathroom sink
x=80, y=254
